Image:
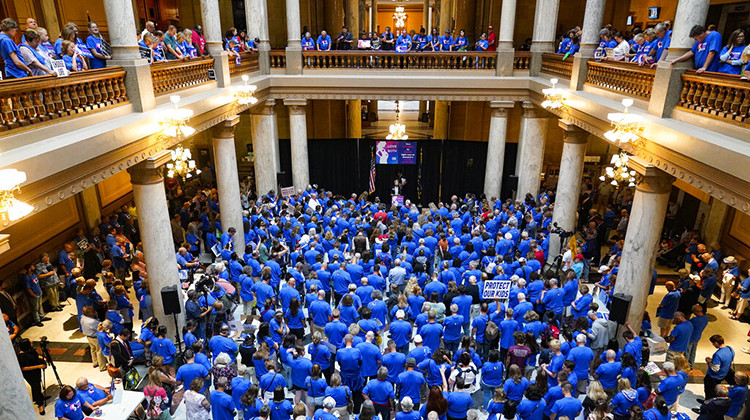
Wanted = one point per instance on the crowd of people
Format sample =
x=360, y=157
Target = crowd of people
x=351, y=307
x=648, y=47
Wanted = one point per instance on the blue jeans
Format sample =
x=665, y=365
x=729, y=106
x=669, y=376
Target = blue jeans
x=403, y=349
x=489, y=394
x=467, y=328
x=452, y=346
x=586, y=269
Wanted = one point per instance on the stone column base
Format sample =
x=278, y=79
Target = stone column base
x=221, y=67
x=504, y=63
x=293, y=61
x=138, y=83
x=535, y=66
x=264, y=57
x=667, y=88
x=580, y=70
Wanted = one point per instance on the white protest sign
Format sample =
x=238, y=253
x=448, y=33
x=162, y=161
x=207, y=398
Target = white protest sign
x=496, y=289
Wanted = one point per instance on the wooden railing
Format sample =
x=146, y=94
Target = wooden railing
x=622, y=77
x=170, y=76
x=248, y=64
x=553, y=64
x=464, y=60
x=278, y=59
x=522, y=60
x=35, y=100
x=716, y=95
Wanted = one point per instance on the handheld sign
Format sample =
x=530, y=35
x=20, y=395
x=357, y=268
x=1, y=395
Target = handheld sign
x=496, y=289
x=287, y=191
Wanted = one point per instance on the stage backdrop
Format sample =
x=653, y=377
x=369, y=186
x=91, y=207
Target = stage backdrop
x=443, y=168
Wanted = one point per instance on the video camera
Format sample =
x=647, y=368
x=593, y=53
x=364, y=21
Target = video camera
x=562, y=233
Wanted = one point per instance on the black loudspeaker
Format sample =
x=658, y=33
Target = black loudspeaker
x=170, y=300
x=284, y=179
x=619, y=308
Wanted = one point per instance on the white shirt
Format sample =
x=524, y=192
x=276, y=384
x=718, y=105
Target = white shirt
x=621, y=49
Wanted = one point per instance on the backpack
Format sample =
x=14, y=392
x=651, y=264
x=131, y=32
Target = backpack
x=550, y=331
x=420, y=264
x=153, y=409
x=491, y=331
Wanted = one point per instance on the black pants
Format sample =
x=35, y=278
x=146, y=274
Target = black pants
x=299, y=332
x=709, y=384
x=34, y=379
x=384, y=411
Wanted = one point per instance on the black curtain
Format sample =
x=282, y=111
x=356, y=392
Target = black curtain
x=334, y=165
x=463, y=168
x=285, y=163
x=509, y=169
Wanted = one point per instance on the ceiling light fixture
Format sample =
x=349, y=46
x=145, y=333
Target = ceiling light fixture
x=626, y=127
x=12, y=209
x=619, y=173
x=176, y=120
x=245, y=93
x=554, y=97
x=398, y=130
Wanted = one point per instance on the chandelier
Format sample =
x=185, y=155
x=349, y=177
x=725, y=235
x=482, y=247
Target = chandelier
x=398, y=130
x=244, y=93
x=626, y=127
x=12, y=209
x=182, y=164
x=619, y=172
x=176, y=120
x=400, y=17
x=554, y=97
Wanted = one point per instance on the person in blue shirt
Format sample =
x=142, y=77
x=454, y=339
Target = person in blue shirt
x=730, y=56
x=533, y=404
x=370, y=356
x=69, y=405
x=625, y=398
x=582, y=356
x=350, y=363
x=15, y=67
x=35, y=294
x=94, y=42
x=410, y=383
x=464, y=302
x=608, y=372
x=568, y=406
x=191, y=370
x=222, y=405
x=737, y=394
x=92, y=394
x=460, y=43
x=482, y=44
x=73, y=60
x=493, y=372
x=381, y=392
x=705, y=51
x=446, y=44
x=668, y=307
x=719, y=365
x=679, y=337
x=323, y=42
x=221, y=343
x=308, y=44
x=401, y=332
x=164, y=347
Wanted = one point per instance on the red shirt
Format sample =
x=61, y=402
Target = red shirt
x=491, y=42
x=200, y=41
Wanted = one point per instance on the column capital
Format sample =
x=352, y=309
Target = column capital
x=265, y=108
x=296, y=106
x=225, y=129
x=572, y=133
x=531, y=110
x=500, y=109
x=649, y=178
x=150, y=170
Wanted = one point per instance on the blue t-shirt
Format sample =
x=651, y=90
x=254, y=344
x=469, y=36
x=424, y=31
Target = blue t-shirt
x=492, y=373
x=165, y=348
x=400, y=332
x=370, y=356
x=734, y=55
x=395, y=364
x=531, y=410
x=341, y=394
x=70, y=409
x=608, y=373
x=669, y=388
x=222, y=406
x=582, y=356
x=189, y=371
x=514, y=390
x=699, y=324
x=722, y=357
x=568, y=407
x=220, y=344
x=379, y=391
x=701, y=50
x=669, y=304
x=452, y=327
x=7, y=47
x=410, y=383
x=681, y=333
x=68, y=60
x=458, y=403
x=95, y=44
x=324, y=43
x=315, y=387
x=91, y=395
x=281, y=410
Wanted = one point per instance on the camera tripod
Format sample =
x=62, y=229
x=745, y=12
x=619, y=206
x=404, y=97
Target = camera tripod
x=48, y=359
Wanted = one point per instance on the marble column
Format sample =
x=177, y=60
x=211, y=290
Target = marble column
x=121, y=26
x=15, y=402
x=228, y=181
x=493, y=172
x=505, y=52
x=256, y=15
x=153, y=222
x=212, y=32
x=668, y=78
x=543, y=38
x=592, y=24
x=298, y=140
x=352, y=19
x=442, y=113
x=422, y=109
x=374, y=15
x=426, y=16
x=530, y=155
x=264, y=150
x=293, y=45
x=354, y=119
x=446, y=16
x=642, y=237
x=91, y=207
x=568, y=183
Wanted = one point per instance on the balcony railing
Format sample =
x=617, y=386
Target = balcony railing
x=33, y=101
x=278, y=59
x=621, y=77
x=553, y=64
x=177, y=75
x=465, y=60
x=716, y=95
x=522, y=60
x=248, y=64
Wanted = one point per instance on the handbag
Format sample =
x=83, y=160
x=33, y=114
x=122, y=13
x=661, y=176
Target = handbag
x=349, y=403
x=114, y=372
x=131, y=380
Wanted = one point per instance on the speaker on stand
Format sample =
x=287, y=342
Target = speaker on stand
x=170, y=301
